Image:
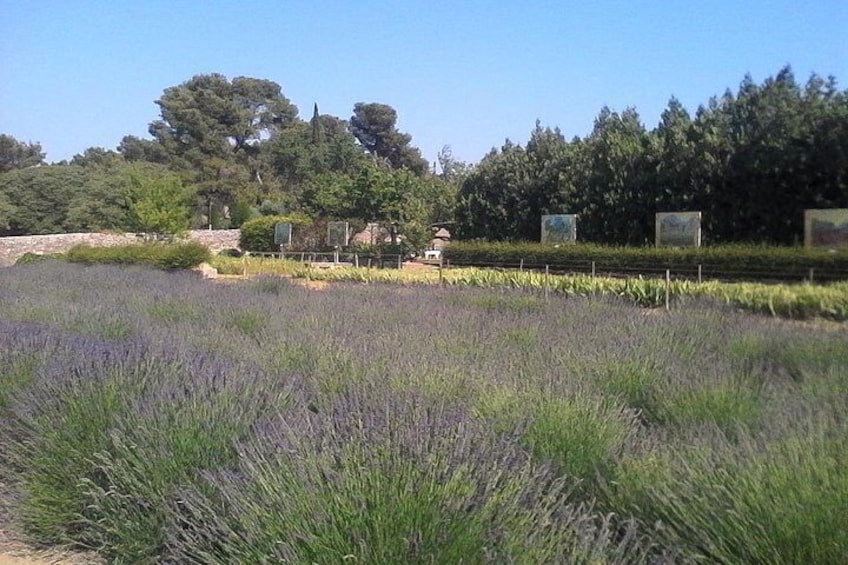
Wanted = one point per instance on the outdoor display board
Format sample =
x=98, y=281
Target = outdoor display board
x=282, y=233
x=826, y=228
x=338, y=234
x=678, y=229
x=559, y=228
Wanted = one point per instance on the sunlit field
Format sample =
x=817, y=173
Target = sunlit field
x=160, y=417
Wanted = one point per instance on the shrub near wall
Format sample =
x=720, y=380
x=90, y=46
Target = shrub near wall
x=162, y=255
x=258, y=234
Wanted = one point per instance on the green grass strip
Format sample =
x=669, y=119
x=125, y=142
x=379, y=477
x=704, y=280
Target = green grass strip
x=796, y=301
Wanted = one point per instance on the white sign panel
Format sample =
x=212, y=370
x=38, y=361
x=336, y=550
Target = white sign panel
x=559, y=228
x=826, y=228
x=678, y=229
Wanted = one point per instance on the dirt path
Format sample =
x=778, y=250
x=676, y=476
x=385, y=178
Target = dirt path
x=15, y=552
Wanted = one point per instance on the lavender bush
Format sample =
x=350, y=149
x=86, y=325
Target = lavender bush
x=390, y=479
x=159, y=417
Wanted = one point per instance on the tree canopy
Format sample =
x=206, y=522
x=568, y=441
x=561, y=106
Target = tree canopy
x=215, y=117
x=751, y=162
x=16, y=154
x=226, y=150
x=374, y=125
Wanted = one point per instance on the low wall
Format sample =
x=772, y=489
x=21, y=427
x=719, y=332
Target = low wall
x=13, y=247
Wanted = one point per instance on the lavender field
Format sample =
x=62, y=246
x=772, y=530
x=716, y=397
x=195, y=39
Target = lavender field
x=161, y=418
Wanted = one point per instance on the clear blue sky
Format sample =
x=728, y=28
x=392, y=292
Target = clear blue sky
x=469, y=74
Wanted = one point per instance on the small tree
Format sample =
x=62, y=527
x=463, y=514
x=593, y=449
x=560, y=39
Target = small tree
x=161, y=204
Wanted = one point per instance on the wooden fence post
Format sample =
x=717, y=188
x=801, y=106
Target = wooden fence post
x=667, y=287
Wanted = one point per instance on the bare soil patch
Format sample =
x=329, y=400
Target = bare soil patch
x=310, y=284
x=14, y=551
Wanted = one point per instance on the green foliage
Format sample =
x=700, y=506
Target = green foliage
x=240, y=213
x=401, y=498
x=7, y=212
x=163, y=255
x=750, y=162
x=62, y=454
x=103, y=204
x=217, y=116
x=181, y=255
x=797, y=301
x=302, y=164
x=75, y=198
x=401, y=201
x=726, y=261
x=580, y=435
x=257, y=234
x=634, y=385
x=249, y=323
x=124, y=466
x=374, y=125
x=781, y=504
x=796, y=359
x=174, y=312
x=134, y=149
x=490, y=198
x=42, y=197
x=16, y=154
x=27, y=258
x=283, y=425
x=134, y=476
x=97, y=157
x=730, y=407
x=212, y=129
x=228, y=145
x=111, y=192
x=18, y=370
x=395, y=199
x=160, y=204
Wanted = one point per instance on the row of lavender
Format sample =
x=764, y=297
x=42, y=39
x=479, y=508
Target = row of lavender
x=159, y=417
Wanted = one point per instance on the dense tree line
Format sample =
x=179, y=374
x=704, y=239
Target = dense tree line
x=224, y=150
x=751, y=162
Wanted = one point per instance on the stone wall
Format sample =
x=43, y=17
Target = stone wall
x=13, y=247
x=216, y=240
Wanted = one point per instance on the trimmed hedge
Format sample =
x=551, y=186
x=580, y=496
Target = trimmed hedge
x=163, y=255
x=257, y=234
x=726, y=261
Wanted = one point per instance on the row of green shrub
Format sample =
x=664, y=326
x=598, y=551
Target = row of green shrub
x=727, y=260
x=797, y=301
x=163, y=255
